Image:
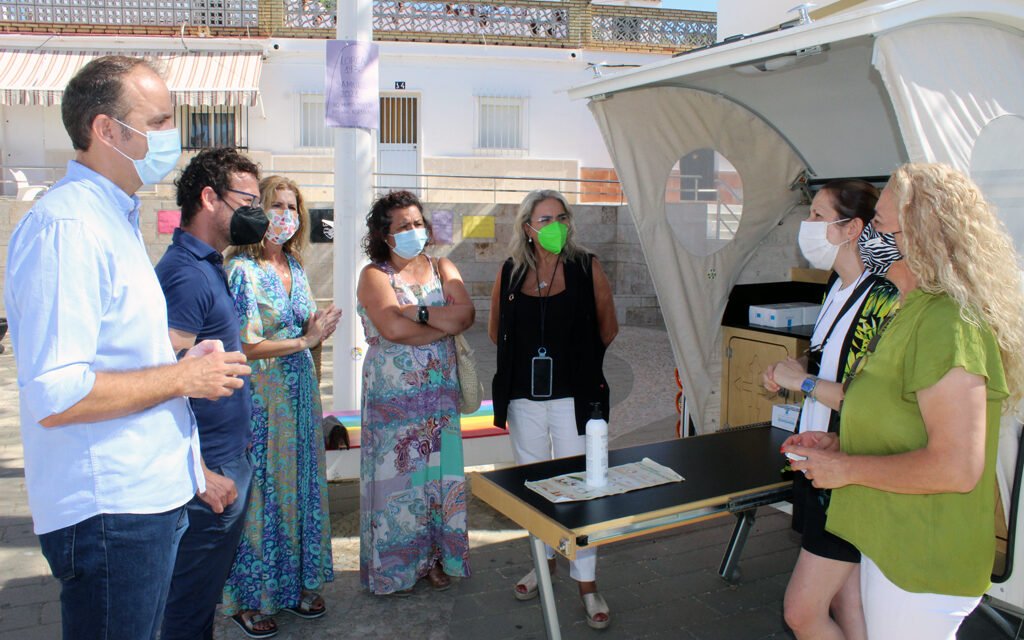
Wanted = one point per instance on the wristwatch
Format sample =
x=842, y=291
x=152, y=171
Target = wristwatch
x=423, y=315
x=807, y=386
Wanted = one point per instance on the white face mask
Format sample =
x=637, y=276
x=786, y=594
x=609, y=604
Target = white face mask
x=815, y=245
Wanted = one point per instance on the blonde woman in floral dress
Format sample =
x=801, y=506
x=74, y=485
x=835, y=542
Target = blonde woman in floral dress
x=285, y=553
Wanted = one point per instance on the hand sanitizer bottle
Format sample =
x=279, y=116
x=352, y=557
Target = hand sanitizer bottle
x=597, y=448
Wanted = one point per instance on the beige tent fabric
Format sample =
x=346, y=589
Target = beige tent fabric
x=946, y=82
x=646, y=132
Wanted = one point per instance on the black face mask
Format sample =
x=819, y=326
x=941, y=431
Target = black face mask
x=248, y=225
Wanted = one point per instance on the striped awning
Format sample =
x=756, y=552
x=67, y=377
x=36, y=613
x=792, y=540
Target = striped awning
x=195, y=78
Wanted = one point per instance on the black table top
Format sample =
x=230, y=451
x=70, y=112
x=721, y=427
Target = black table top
x=718, y=464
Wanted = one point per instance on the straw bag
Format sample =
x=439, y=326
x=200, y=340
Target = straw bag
x=471, y=391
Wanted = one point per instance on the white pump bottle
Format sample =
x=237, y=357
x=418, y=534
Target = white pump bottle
x=597, y=448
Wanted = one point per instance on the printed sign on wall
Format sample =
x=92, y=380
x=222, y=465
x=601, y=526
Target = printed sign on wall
x=321, y=225
x=478, y=227
x=167, y=220
x=351, y=85
x=442, y=223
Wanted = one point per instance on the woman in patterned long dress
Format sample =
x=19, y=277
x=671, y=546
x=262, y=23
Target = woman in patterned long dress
x=285, y=553
x=412, y=493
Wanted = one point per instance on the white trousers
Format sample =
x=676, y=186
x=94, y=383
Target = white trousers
x=546, y=429
x=894, y=614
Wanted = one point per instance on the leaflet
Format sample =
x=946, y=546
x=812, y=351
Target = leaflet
x=572, y=487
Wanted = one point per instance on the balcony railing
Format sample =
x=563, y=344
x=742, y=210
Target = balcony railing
x=683, y=34
x=571, y=23
x=170, y=13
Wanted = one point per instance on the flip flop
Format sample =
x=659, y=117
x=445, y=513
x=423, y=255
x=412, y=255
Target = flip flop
x=595, y=605
x=306, y=608
x=248, y=625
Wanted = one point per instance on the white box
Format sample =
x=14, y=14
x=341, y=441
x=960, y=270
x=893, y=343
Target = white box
x=811, y=312
x=784, y=416
x=779, y=315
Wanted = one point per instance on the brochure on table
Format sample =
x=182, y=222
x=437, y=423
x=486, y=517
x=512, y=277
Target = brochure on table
x=572, y=487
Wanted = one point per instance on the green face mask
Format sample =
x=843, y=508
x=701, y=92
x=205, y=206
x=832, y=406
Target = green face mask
x=552, y=237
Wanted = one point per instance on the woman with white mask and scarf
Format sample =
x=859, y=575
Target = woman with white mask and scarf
x=823, y=598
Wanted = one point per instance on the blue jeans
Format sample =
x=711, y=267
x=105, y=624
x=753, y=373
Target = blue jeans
x=204, y=558
x=114, y=570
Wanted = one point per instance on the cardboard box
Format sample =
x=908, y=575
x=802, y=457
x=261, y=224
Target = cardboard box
x=785, y=416
x=778, y=315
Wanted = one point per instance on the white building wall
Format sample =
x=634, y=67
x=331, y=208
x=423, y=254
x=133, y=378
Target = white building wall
x=447, y=77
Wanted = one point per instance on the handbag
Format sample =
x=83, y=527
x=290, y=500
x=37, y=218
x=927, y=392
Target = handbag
x=471, y=391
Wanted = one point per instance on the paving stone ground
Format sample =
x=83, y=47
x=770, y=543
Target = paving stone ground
x=658, y=586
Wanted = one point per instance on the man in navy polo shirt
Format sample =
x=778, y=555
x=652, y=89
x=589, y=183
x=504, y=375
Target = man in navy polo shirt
x=218, y=193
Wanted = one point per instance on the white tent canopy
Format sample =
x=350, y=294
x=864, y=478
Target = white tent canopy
x=647, y=131
x=855, y=94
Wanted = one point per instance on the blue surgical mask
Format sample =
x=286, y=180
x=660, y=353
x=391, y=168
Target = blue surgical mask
x=164, y=149
x=409, y=244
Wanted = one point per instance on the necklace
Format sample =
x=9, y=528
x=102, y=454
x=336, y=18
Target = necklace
x=544, y=284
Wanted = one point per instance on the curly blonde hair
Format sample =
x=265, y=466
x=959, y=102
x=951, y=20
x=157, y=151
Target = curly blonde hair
x=269, y=186
x=954, y=244
x=520, y=247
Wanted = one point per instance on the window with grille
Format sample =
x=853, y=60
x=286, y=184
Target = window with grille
x=204, y=127
x=313, y=131
x=398, y=120
x=501, y=123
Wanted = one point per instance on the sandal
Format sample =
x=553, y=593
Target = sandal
x=526, y=588
x=248, y=624
x=438, y=579
x=596, y=606
x=310, y=607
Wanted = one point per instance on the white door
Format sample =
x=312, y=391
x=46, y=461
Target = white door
x=398, y=148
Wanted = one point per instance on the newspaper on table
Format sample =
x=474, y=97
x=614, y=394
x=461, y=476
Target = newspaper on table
x=572, y=487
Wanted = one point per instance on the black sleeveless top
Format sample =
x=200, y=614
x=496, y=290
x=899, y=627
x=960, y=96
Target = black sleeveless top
x=581, y=352
x=526, y=340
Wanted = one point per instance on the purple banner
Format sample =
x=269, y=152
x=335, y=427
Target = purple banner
x=442, y=221
x=351, y=85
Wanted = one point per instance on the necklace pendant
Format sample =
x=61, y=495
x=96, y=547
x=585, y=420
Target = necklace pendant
x=541, y=285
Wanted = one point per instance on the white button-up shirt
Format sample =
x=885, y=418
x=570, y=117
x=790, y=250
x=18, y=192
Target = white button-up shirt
x=82, y=297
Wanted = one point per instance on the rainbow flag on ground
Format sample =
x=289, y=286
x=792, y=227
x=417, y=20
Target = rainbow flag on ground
x=479, y=424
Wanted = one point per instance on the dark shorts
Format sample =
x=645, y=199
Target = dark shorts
x=809, y=509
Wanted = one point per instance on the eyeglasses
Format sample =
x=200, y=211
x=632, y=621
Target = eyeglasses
x=254, y=200
x=858, y=364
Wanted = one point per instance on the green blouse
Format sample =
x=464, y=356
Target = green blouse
x=939, y=543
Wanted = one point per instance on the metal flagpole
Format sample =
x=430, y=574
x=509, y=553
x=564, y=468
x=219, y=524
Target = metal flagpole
x=354, y=156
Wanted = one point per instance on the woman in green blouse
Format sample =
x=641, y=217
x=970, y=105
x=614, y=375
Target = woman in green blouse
x=913, y=469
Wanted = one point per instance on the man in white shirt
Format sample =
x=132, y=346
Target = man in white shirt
x=111, y=450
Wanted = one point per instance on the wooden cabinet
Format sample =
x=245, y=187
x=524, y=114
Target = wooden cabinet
x=745, y=355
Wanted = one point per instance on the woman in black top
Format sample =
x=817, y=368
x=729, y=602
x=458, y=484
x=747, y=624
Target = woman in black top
x=552, y=317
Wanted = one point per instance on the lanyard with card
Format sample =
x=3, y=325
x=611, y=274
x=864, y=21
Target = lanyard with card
x=542, y=366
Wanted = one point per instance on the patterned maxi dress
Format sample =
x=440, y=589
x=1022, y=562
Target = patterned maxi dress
x=412, y=493
x=286, y=544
